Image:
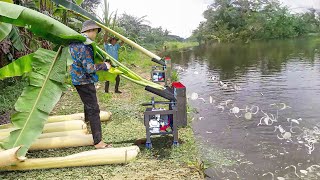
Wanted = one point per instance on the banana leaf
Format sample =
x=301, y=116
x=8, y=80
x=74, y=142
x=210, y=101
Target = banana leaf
x=4, y=30
x=16, y=39
x=8, y=1
x=37, y=100
x=70, y=5
x=17, y=67
x=38, y=23
x=78, y=2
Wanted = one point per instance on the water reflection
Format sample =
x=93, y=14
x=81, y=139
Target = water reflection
x=232, y=60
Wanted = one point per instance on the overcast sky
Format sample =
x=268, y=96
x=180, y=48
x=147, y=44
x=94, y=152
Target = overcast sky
x=180, y=17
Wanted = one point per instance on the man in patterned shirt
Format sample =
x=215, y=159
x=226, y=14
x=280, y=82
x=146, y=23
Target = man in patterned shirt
x=83, y=75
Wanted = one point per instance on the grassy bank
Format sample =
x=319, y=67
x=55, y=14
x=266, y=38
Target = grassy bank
x=126, y=127
x=11, y=89
x=174, y=45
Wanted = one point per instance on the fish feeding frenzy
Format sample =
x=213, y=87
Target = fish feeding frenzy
x=267, y=119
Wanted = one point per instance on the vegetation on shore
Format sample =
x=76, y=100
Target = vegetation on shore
x=246, y=20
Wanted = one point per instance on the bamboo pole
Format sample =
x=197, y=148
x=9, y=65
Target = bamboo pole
x=62, y=142
x=88, y=158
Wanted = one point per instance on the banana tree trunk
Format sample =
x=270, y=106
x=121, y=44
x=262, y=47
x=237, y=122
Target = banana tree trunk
x=9, y=157
x=64, y=126
x=62, y=142
x=64, y=133
x=104, y=116
x=53, y=134
x=88, y=158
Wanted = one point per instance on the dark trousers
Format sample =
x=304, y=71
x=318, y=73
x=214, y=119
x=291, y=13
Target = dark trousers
x=116, y=88
x=88, y=96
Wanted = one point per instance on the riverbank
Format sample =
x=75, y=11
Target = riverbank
x=175, y=45
x=125, y=129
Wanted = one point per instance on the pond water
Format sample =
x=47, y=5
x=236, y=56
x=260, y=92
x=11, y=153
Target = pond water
x=277, y=83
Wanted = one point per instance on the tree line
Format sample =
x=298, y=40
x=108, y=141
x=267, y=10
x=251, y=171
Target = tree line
x=245, y=20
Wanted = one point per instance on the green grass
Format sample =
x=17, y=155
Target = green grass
x=175, y=45
x=10, y=91
x=126, y=127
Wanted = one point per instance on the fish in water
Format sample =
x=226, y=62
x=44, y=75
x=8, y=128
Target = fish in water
x=211, y=100
x=194, y=96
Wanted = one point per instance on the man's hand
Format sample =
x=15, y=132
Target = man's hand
x=107, y=64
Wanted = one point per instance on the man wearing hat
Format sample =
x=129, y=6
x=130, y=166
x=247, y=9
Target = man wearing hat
x=83, y=74
x=112, y=49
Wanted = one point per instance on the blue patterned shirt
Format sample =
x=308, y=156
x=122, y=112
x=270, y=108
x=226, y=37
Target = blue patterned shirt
x=83, y=70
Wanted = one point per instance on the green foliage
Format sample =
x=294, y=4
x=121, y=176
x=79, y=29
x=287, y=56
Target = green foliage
x=174, y=45
x=17, y=68
x=38, y=23
x=5, y=29
x=16, y=40
x=78, y=2
x=245, y=20
x=174, y=76
x=45, y=87
x=138, y=30
x=75, y=7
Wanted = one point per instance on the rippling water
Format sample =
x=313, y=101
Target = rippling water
x=264, y=73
